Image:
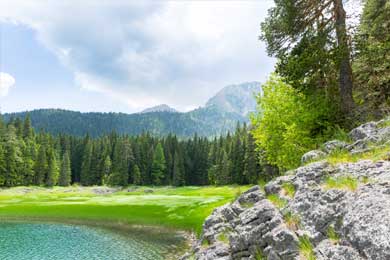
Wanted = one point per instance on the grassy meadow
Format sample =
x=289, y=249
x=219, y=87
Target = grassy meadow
x=182, y=208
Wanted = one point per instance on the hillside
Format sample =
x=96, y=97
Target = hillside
x=336, y=206
x=219, y=116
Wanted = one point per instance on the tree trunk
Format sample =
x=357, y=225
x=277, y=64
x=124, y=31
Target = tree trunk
x=345, y=70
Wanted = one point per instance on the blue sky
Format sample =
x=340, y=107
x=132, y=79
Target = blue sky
x=124, y=56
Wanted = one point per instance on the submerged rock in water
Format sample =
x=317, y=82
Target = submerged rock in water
x=332, y=212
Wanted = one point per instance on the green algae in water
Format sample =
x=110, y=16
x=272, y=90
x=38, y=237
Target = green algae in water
x=43, y=241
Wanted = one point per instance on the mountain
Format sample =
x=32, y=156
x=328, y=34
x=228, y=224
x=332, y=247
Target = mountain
x=219, y=116
x=160, y=108
x=236, y=98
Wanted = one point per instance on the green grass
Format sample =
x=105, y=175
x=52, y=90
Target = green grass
x=292, y=221
x=289, y=189
x=277, y=201
x=259, y=254
x=223, y=237
x=182, y=208
x=375, y=154
x=306, y=250
x=347, y=183
x=332, y=235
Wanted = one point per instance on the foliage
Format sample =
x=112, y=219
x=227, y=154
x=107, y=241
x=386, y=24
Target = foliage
x=287, y=123
x=306, y=249
x=342, y=182
x=332, y=235
x=292, y=221
x=371, y=65
x=310, y=40
x=289, y=189
x=277, y=201
x=29, y=158
x=259, y=254
x=223, y=237
x=374, y=153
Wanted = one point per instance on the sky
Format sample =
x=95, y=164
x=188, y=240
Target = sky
x=125, y=56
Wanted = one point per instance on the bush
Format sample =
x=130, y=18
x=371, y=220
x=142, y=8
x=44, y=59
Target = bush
x=287, y=123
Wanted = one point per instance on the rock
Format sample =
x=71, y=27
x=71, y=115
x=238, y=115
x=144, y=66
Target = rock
x=326, y=250
x=148, y=191
x=334, y=145
x=275, y=186
x=312, y=156
x=366, y=224
x=363, y=131
x=360, y=216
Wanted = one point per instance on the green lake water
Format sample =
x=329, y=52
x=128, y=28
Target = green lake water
x=22, y=241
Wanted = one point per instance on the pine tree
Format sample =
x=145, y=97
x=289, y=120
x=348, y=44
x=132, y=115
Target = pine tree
x=252, y=168
x=41, y=166
x=137, y=175
x=52, y=172
x=158, y=166
x=107, y=166
x=65, y=173
x=178, y=170
x=86, y=164
x=28, y=131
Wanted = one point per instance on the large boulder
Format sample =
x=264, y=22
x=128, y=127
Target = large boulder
x=349, y=200
x=312, y=156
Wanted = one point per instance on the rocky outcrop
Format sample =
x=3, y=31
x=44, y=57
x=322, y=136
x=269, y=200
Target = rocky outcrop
x=319, y=211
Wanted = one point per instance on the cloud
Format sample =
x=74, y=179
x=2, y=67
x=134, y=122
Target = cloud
x=149, y=52
x=6, y=82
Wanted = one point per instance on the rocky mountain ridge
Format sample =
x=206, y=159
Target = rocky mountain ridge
x=221, y=115
x=159, y=108
x=323, y=210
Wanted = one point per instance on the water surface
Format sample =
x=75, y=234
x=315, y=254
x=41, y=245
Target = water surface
x=42, y=241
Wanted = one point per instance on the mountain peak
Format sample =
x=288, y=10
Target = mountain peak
x=159, y=108
x=238, y=98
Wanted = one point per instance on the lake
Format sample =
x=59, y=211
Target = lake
x=43, y=241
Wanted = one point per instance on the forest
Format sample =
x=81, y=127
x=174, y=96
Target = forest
x=29, y=158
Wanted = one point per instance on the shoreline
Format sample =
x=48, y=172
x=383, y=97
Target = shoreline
x=140, y=231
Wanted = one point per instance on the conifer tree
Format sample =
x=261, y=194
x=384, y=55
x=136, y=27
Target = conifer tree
x=65, y=173
x=52, y=172
x=41, y=166
x=86, y=164
x=107, y=166
x=137, y=175
x=158, y=166
x=178, y=170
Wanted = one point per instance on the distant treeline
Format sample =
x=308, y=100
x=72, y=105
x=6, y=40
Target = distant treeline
x=29, y=158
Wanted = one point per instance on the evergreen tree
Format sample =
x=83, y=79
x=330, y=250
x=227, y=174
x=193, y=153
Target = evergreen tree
x=41, y=166
x=28, y=131
x=52, y=172
x=137, y=175
x=86, y=164
x=107, y=166
x=65, y=173
x=178, y=170
x=158, y=167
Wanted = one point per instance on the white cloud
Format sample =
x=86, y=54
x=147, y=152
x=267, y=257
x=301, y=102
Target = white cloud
x=6, y=82
x=175, y=52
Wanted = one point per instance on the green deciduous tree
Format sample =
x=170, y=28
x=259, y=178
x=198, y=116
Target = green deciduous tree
x=286, y=123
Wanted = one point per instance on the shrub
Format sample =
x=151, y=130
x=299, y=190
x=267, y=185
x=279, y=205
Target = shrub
x=287, y=123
